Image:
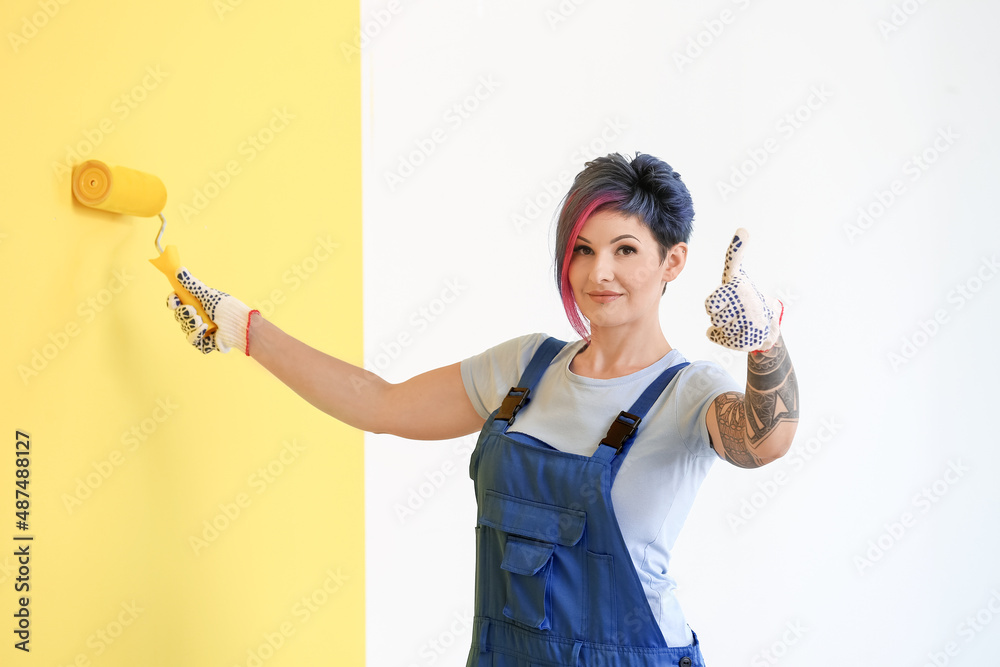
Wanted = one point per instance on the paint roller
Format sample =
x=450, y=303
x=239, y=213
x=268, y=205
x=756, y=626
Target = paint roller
x=131, y=192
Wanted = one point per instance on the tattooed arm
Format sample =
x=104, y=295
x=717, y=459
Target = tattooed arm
x=755, y=428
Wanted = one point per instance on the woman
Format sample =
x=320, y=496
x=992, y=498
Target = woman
x=590, y=453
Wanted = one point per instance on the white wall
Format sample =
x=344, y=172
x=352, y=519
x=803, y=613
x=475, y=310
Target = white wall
x=886, y=82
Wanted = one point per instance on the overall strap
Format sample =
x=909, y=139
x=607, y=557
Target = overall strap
x=617, y=443
x=653, y=391
x=517, y=397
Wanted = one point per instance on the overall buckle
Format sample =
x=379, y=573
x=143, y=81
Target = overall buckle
x=622, y=428
x=515, y=399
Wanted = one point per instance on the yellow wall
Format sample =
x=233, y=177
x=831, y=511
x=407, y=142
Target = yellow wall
x=137, y=439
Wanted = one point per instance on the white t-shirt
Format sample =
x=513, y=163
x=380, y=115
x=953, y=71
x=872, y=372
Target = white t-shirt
x=666, y=465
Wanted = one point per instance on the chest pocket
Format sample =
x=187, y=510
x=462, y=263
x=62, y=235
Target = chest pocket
x=536, y=556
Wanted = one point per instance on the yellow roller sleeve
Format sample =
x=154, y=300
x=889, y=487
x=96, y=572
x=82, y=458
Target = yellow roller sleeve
x=118, y=189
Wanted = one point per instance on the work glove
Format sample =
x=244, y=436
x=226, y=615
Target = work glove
x=231, y=315
x=742, y=318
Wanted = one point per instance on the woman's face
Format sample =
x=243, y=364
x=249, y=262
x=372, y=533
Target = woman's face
x=615, y=270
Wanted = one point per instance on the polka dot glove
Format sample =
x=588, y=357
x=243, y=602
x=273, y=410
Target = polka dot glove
x=742, y=318
x=230, y=314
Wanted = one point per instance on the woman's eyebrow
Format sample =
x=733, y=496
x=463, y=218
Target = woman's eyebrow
x=614, y=240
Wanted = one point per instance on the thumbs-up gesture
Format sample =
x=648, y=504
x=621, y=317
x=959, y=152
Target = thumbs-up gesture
x=742, y=318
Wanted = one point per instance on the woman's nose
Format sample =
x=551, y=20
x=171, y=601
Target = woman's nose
x=602, y=269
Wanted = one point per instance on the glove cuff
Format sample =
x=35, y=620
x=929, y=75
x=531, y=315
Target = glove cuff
x=232, y=316
x=774, y=327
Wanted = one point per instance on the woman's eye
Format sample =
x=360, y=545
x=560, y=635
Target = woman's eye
x=581, y=249
x=626, y=250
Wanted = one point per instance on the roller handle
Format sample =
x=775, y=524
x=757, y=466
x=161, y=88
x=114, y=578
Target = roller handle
x=168, y=263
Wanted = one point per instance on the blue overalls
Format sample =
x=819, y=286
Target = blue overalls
x=555, y=584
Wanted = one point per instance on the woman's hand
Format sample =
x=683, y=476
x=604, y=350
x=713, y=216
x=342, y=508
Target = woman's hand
x=742, y=318
x=230, y=314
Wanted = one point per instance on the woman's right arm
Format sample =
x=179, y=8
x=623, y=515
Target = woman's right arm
x=430, y=406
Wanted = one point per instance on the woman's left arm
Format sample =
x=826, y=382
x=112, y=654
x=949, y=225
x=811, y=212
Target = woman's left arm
x=757, y=427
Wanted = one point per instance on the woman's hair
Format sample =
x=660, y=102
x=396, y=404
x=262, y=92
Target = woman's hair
x=645, y=187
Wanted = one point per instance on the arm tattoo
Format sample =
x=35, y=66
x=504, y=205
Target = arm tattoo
x=772, y=397
x=730, y=413
x=772, y=392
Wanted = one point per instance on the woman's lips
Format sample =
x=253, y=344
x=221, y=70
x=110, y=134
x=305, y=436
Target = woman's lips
x=603, y=297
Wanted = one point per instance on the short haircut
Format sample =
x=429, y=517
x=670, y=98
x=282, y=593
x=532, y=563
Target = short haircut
x=645, y=187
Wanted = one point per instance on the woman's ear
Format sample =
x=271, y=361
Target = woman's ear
x=675, y=260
